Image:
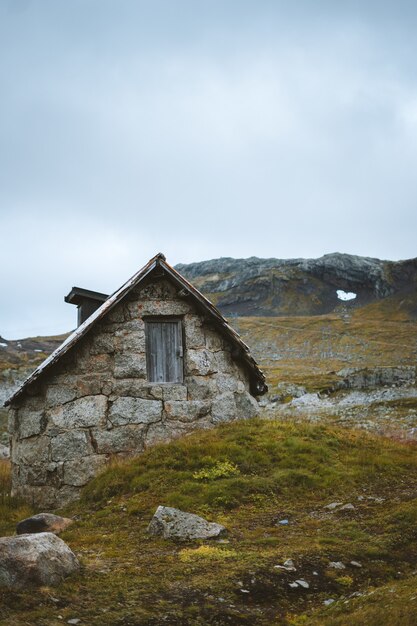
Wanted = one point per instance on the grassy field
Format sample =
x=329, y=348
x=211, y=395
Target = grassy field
x=248, y=476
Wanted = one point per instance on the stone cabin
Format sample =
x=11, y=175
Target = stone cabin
x=154, y=361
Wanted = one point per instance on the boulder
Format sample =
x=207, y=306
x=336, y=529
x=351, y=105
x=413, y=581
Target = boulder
x=172, y=523
x=35, y=559
x=43, y=522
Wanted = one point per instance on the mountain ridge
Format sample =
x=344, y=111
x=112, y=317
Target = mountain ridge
x=275, y=287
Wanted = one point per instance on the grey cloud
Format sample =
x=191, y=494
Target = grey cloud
x=200, y=129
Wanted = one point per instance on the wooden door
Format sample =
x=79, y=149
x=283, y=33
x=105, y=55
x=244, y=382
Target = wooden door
x=164, y=351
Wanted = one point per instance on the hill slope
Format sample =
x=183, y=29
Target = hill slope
x=274, y=472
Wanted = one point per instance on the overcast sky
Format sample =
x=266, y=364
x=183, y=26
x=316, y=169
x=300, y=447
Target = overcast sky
x=200, y=129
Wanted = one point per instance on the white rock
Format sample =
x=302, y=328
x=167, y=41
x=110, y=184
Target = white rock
x=332, y=505
x=347, y=507
x=337, y=565
x=355, y=564
x=328, y=602
x=303, y=583
x=172, y=523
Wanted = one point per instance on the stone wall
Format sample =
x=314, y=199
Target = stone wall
x=97, y=403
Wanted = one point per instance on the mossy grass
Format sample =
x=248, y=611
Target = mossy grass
x=285, y=472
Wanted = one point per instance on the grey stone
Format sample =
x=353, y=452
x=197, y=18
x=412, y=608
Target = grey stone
x=174, y=392
x=125, y=439
x=80, y=471
x=43, y=522
x=194, y=335
x=30, y=422
x=73, y=444
x=200, y=362
x=127, y=410
x=337, y=565
x=347, y=507
x=128, y=365
x=41, y=559
x=226, y=382
x=35, y=450
x=246, y=406
x=224, y=408
x=172, y=523
x=82, y=413
x=59, y=394
x=4, y=451
x=332, y=505
x=201, y=387
x=187, y=410
x=214, y=341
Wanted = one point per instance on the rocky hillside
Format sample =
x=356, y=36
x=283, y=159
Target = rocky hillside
x=265, y=287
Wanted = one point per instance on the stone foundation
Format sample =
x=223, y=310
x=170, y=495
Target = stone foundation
x=97, y=403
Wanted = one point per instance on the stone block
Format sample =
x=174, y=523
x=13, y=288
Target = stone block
x=224, y=408
x=161, y=431
x=128, y=341
x=80, y=471
x=126, y=439
x=200, y=362
x=12, y=423
x=174, y=392
x=188, y=410
x=103, y=343
x=73, y=444
x=127, y=410
x=116, y=315
x=170, y=307
x=224, y=362
x=194, y=334
x=129, y=366
x=226, y=382
x=29, y=423
x=246, y=405
x=82, y=413
x=136, y=388
x=28, y=451
x=59, y=394
x=214, y=340
x=201, y=387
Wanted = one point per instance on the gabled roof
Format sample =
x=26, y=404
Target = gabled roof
x=241, y=350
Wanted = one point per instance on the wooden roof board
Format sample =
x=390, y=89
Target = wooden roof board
x=257, y=376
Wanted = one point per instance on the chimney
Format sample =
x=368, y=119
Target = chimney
x=87, y=302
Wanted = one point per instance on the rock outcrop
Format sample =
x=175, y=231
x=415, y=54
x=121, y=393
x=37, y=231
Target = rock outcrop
x=35, y=559
x=172, y=523
x=298, y=286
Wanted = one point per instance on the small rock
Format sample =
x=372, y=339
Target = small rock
x=315, y=573
x=283, y=522
x=245, y=590
x=288, y=566
x=337, y=565
x=347, y=507
x=303, y=583
x=293, y=585
x=43, y=522
x=328, y=602
x=355, y=564
x=36, y=559
x=75, y=620
x=172, y=523
x=332, y=505
x=4, y=451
